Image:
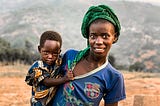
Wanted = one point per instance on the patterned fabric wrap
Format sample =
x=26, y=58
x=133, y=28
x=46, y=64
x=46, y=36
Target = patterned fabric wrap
x=99, y=12
x=41, y=94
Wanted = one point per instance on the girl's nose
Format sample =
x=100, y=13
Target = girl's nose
x=99, y=40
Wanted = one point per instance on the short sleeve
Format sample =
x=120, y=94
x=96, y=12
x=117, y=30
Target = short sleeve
x=30, y=78
x=35, y=75
x=117, y=90
x=69, y=55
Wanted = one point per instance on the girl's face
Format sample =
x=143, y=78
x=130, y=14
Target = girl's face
x=50, y=51
x=101, y=38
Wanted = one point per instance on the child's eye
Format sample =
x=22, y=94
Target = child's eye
x=45, y=52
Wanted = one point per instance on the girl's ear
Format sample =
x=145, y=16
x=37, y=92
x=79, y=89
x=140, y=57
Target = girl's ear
x=115, y=38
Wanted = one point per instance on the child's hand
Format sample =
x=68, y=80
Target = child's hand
x=69, y=76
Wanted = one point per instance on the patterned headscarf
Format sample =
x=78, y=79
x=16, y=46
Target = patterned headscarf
x=99, y=12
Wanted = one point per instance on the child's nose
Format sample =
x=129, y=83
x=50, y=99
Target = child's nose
x=50, y=55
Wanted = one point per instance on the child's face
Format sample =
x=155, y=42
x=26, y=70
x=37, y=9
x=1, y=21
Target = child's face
x=50, y=51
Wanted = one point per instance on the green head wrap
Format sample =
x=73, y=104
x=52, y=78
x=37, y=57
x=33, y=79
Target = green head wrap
x=99, y=12
x=93, y=13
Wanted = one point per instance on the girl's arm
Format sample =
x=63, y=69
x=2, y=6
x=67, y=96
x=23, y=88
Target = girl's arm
x=113, y=104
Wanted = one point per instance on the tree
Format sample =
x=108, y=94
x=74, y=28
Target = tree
x=28, y=45
x=137, y=66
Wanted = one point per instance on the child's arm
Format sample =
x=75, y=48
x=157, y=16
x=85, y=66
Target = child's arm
x=57, y=81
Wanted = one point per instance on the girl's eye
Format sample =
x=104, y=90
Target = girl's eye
x=92, y=36
x=105, y=36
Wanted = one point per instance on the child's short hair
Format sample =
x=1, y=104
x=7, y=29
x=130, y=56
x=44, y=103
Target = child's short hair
x=50, y=35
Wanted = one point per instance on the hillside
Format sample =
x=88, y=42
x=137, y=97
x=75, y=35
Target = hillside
x=139, y=41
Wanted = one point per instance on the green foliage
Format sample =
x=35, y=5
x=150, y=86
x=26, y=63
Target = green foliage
x=137, y=66
x=139, y=35
x=4, y=44
x=28, y=45
x=11, y=55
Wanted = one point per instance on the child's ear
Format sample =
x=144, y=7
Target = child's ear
x=60, y=51
x=39, y=48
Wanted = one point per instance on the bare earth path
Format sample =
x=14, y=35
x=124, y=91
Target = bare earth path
x=15, y=92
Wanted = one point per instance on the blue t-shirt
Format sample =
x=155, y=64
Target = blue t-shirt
x=88, y=89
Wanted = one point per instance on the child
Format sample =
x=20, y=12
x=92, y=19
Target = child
x=44, y=74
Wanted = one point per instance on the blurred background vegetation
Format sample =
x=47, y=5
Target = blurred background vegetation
x=23, y=21
x=10, y=55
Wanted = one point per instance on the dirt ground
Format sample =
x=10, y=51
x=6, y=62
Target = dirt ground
x=15, y=92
